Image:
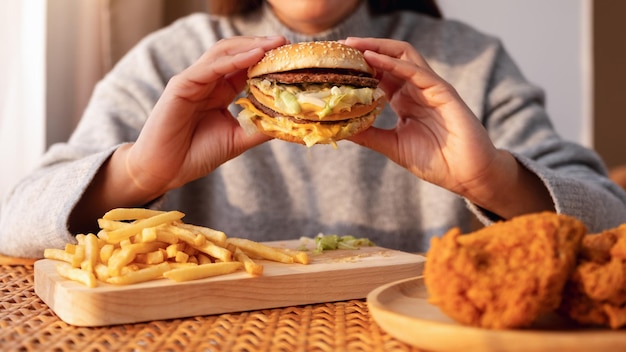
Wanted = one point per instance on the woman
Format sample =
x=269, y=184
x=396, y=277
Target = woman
x=463, y=135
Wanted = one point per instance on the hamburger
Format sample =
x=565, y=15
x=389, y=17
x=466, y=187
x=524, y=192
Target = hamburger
x=311, y=93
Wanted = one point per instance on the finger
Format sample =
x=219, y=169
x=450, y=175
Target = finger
x=240, y=44
x=389, y=47
x=230, y=55
x=403, y=70
x=379, y=140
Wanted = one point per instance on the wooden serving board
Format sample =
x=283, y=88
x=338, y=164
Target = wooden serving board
x=331, y=276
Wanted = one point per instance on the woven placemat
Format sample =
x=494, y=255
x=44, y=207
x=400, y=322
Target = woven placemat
x=27, y=324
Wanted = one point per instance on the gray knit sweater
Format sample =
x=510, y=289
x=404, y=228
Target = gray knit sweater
x=280, y=190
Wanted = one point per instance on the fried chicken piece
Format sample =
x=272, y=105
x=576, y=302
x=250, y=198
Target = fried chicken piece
x=595, y=294
x=505, y=275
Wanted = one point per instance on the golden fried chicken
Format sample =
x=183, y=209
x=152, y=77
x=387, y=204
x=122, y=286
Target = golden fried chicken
x=504, y=275
x=596, y=292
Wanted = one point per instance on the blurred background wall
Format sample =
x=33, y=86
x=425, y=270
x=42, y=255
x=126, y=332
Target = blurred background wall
x=551, y=42
x=54, y=51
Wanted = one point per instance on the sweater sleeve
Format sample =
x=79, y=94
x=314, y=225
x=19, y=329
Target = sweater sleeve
x=514, y=115
x=34, y=215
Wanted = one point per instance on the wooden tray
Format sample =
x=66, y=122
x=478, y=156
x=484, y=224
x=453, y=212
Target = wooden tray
x=331, y=276
x=401, y=308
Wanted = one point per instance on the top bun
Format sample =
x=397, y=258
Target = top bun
x=320, y=54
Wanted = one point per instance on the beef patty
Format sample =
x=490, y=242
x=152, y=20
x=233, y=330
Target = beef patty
x=334, y=77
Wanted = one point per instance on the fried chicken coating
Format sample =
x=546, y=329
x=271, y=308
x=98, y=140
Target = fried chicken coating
x=504, y=275
x=595, y=294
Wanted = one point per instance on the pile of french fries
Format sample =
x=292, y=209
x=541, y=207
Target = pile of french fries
x=137, y=245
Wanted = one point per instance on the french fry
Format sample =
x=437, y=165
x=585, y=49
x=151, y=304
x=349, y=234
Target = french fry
x=249, y=265
x=141, y=275
x=257, y=249
x=58, y=254
x=172, y=249
x=80, y=238
x=186, y=235
x=102, y=272
x=148, y=234
x=163, y=235
x=67, y=271
x=215, y=236
x=155, y=257
x=110, y=225
x=181, y=257
x=106, y=251
x=298, y=256
x=181, y=265
x=202, y=271
x=92, y=252
x=70, y=248
x=119, y=259
x=215, y=251
x=203, y=259
x=128, y=253
x=79, y=256
x=136, y=227
x=130, y=214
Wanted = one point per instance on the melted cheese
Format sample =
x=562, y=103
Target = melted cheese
x=310, y=132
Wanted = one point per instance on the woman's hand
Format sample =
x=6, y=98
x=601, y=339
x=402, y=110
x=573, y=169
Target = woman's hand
x=439, y=139
x=189, y=133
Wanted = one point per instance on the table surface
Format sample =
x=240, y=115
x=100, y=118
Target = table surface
x=27, y=324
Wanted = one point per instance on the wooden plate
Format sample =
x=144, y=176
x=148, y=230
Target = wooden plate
x=401, y=308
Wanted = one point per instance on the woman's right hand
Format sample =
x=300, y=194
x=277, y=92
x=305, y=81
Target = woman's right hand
x=189, y=133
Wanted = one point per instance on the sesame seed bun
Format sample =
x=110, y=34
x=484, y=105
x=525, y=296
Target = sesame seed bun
x=320, y=54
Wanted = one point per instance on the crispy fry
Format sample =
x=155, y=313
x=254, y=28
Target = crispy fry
x=130, y=214
x=260, y=250
x=155, y=257
x=136, y=227
x=70, y=248
x=110, y=225
x=298, y=256
x=215, y=251
x=67, y=271
x=172, y=249
x=203, y=259
x=127, y=254
x=92, y=252
x=80, y=238
x=215, y=236
x=186, y=235
x=58, y=254
x=202, y=271
x=163, y=235
x=249, y=265
x=79, y=256
x=149, y=234
x=106, y=251
x=181, y=257
x=102, y=272
x=141, y=275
